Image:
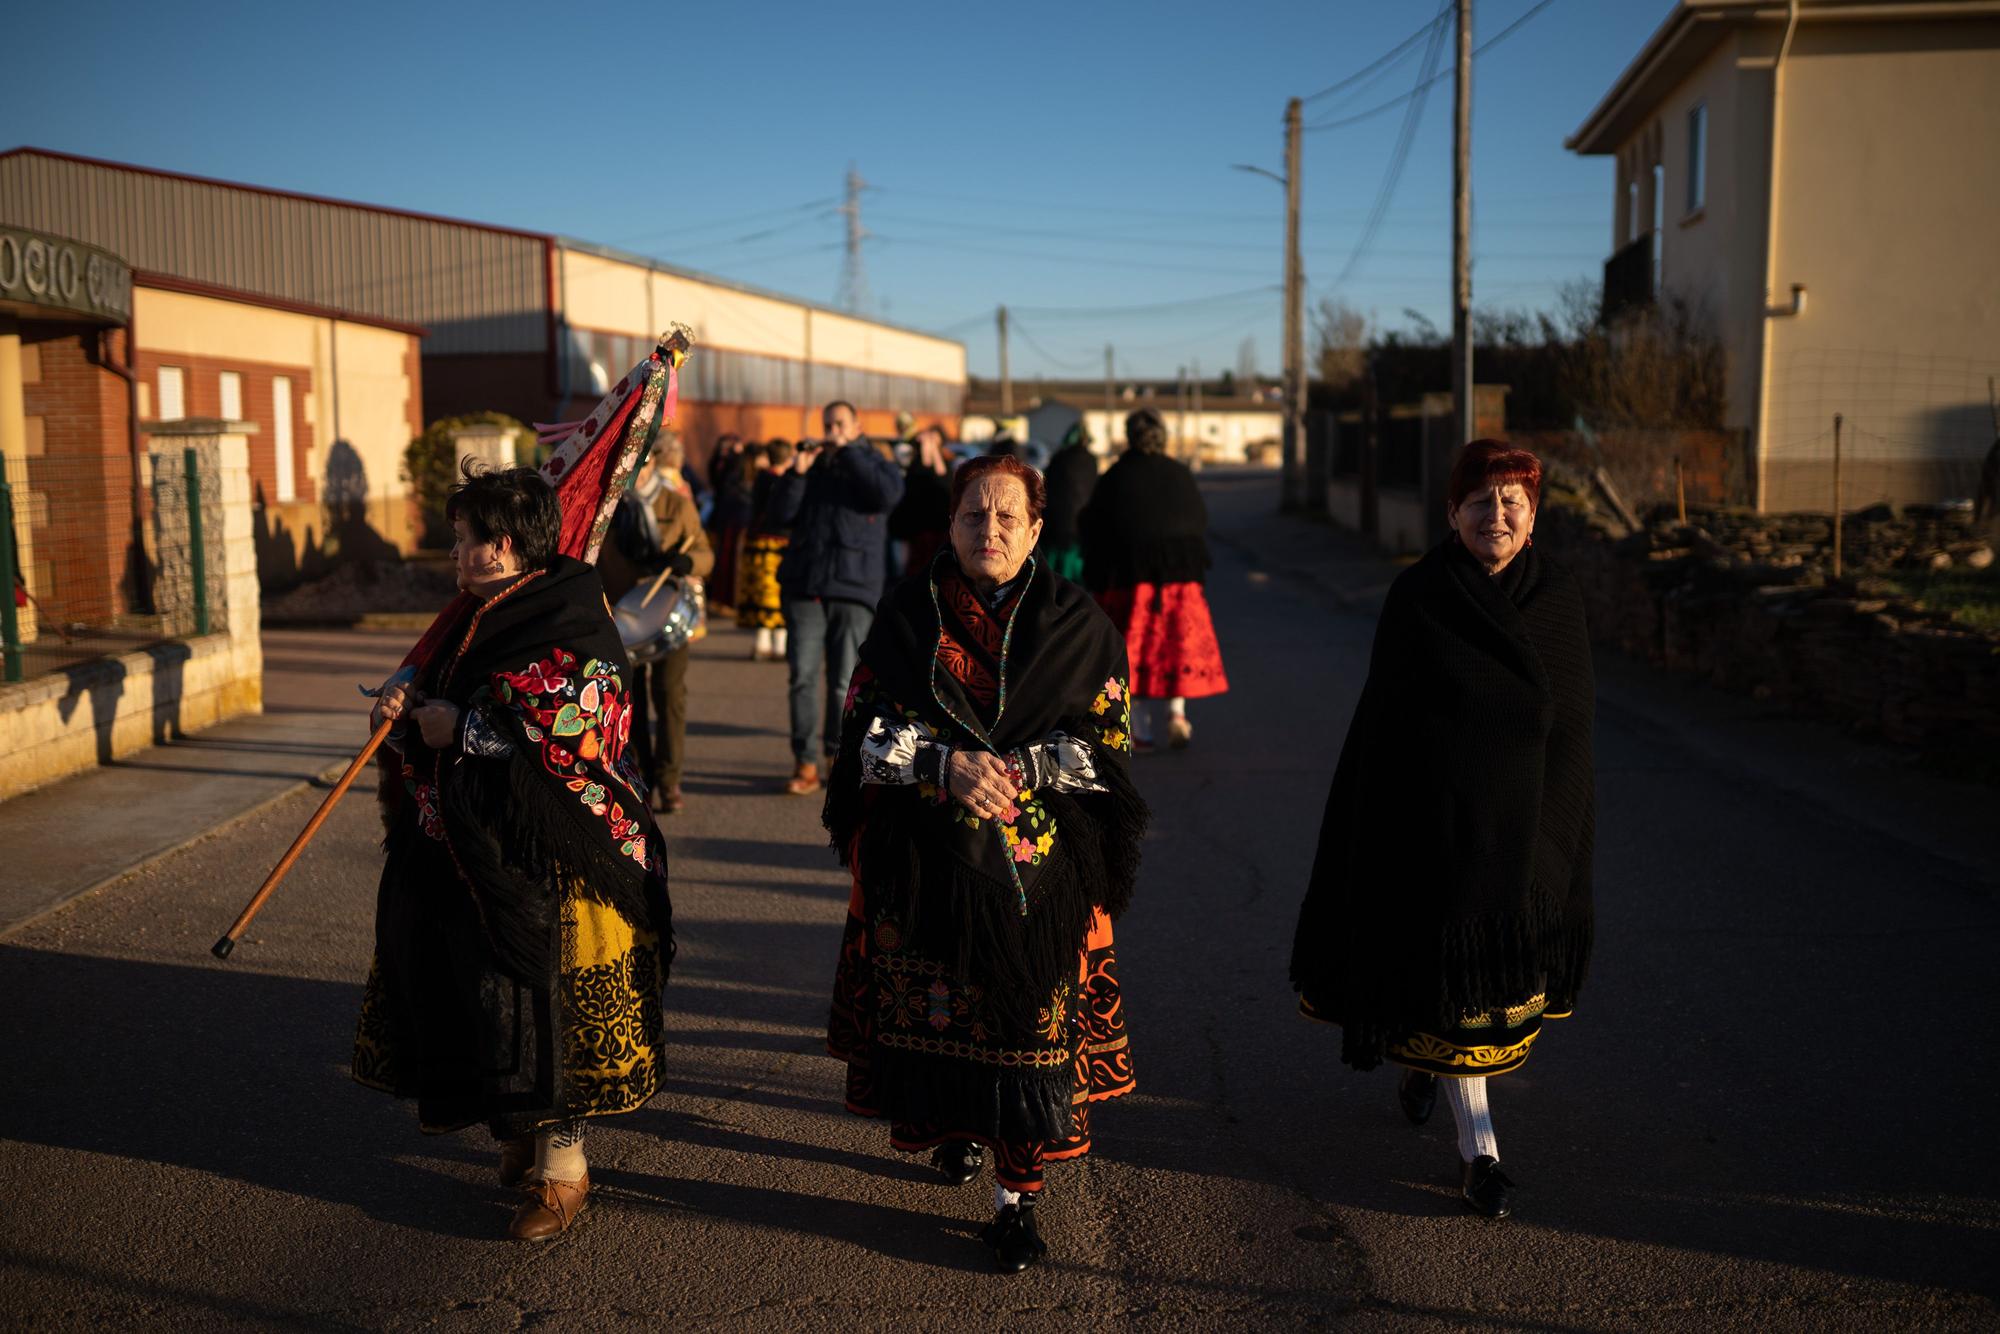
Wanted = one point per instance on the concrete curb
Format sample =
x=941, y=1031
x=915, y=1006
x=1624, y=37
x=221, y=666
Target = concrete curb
x=324, y=779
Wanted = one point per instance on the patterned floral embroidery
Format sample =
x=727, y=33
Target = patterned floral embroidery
x=424, y=798
x=580, y=719
x=1113, y=710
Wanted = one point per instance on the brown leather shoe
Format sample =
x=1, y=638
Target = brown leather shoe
x=516, y=1157
x=550, y=1208
x=805, y=781
x=673, y=803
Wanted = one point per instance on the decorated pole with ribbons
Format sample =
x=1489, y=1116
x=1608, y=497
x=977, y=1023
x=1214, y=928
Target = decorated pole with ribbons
x=590, y=467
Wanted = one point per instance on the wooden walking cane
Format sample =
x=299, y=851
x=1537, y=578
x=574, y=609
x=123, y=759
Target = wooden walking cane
x=221, y=949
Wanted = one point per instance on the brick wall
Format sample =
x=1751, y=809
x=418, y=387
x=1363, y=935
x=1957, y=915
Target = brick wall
x=202, y=377
x=78, y=503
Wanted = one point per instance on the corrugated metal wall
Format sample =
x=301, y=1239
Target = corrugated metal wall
x=475, y=289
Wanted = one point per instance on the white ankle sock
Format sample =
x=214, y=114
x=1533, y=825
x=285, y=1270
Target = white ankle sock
x=763, y=644
x=781, y=641
x=1177, y=707
x=1475, y=1119
x=559, y=1154
x=1002, y=1197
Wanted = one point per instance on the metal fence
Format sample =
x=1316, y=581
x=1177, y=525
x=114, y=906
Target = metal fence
x=98, y=562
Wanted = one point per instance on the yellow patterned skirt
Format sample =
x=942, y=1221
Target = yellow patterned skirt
x=439, y=1023
x=1481, y=1044
x=759, y=605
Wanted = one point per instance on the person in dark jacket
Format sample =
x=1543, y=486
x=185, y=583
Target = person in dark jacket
x=1145, y=556
x=835, y=501
x=1072, y=476
x=1449, y=911
x=921, y=518
x=731, y=473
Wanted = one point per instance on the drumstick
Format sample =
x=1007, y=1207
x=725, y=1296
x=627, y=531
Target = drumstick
x=663, y=576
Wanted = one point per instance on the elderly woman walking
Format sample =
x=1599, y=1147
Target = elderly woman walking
x=981, y=800
x=1145, y=555
x=522, y=929
x=1449, y=911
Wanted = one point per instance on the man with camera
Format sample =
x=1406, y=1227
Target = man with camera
x=835, y=500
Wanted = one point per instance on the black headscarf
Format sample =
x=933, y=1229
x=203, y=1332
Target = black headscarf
x=542, y=664
x=1145, y=523
x=1454, y=865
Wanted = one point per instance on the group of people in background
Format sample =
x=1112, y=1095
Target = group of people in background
x=801, y=541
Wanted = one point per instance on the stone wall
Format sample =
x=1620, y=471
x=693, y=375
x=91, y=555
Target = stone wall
x=1748, y=602
x=95, y=712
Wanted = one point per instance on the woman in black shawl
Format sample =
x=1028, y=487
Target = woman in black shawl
x=1145, y=556
x=1449, y=911
x=982, y=803
x=522, y=929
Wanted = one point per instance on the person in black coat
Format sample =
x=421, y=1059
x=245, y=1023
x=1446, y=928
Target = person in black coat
x=1449, y=911
x=1072, y=476
x=921, y=518
x=835, y=502
x=1145, y=556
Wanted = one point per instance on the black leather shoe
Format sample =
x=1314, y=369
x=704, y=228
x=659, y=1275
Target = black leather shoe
x=958, y=1161
x=1016, y=1241
x=1486, y=1189
x=1418, y=1092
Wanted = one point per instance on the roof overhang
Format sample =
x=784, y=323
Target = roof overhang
x=1696, y=27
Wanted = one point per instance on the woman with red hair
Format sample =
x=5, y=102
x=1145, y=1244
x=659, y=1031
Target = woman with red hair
x=1449, y=910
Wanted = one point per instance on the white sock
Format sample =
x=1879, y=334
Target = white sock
x=1475, y=1119
x=763, y=640
x=1177, y=707
x=1002, y=1197
x=559, y=1154
x=781, y=641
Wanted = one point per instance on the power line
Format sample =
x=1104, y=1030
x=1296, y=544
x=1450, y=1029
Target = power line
x=1394, y=102
x=1079, y=365
x=679, y=230
x=1404, y=139
x=1393, y=54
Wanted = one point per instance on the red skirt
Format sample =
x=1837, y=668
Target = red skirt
x=1169, y=639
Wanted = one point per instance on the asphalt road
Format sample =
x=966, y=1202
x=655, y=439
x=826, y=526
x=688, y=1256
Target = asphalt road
x=1772, y=1111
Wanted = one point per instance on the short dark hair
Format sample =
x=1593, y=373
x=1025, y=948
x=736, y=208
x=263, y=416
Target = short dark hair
x=780, y=452
x=1005, y=465
x=516, y=503
x=853, y=411
x=1146, y=432
x=1484, y=463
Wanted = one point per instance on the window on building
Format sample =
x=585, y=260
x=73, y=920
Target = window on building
x=1697, y=157
x=173, y=393
x=281, y=437
x=230, y=388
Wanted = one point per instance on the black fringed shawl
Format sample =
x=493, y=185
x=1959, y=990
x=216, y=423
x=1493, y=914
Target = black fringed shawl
x=1010, y=927
x=542, y=664
x=1454, y=864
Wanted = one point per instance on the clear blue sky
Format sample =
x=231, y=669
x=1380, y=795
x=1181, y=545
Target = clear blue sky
x=1069, y=160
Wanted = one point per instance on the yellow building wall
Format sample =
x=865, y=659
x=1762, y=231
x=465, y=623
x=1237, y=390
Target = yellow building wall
x=371, y=370
x=612, y=296
x=1889, y=178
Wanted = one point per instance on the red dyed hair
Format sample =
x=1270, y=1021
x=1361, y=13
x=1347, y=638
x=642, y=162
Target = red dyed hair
x=1485, y=463
x=1004, y=465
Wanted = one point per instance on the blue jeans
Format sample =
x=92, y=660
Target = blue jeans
x=817, y=632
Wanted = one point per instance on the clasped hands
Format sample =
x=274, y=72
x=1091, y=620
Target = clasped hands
x=436, y=719
x=980, y=782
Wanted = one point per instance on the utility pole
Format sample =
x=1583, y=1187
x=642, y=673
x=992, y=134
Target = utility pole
x=1006, y=380
x=1461, y=234
x=853, y=277
x=1108, y=400
x=1194, y=456
x=1180, y=410
x=1292, y=487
